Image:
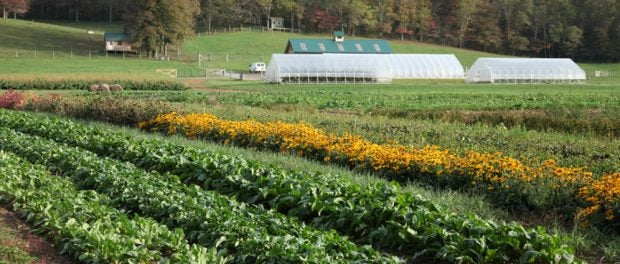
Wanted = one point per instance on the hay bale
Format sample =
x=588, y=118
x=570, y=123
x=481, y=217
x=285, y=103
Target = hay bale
x=116, y=88
x=104, y=87
x=93, y=87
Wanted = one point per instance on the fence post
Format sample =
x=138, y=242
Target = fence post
x=71, y=51
x=199, y=60
x=16, y=54
x=53, y=53
x=226, y=57
x=35, y=53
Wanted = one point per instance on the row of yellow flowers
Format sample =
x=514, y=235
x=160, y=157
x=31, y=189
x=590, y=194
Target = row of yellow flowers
x=507, y=179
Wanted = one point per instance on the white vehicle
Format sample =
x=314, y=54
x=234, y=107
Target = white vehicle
x=258, y=67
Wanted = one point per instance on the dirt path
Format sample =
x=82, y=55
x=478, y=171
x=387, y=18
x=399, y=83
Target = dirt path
x=19, y=235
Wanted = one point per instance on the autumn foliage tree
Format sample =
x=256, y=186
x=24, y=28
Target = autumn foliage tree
x=324, y=20
x=157, y=25
x=587, y=30
x=14, y=6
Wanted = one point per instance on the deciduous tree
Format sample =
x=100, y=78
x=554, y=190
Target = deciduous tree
x=14, y=6
x=158, y=24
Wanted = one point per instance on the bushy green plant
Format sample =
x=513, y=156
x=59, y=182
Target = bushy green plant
x=106, y=108
x=249, y=234
x=83, y=224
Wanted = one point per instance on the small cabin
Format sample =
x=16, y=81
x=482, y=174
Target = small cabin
x=117, y=42
x=276, y=22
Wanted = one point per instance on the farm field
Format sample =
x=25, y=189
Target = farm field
x=262, y=194
x=361, y=203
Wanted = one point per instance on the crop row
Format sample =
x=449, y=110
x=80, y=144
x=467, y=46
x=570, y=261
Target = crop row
x=42, y=84
x=84, y=226
x=246, y=233
x=378, y=214
x=507, y=181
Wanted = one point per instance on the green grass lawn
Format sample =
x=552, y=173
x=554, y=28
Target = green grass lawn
x=258, y=46
x=31, y=50
x=85, y=68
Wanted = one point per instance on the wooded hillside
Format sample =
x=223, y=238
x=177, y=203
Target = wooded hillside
x=587, y=30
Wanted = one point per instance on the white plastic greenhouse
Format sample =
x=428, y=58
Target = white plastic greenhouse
x=523, y=70
x=361, y=68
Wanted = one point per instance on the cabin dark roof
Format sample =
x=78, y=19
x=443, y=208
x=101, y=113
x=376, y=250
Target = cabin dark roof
x=116, y=37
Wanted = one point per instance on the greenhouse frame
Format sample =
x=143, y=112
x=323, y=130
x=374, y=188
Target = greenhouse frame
x=525, y=70
x=361, y=68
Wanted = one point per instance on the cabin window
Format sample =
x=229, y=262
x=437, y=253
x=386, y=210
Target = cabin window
x=120, y=43
x=359, y=47
x=322, y=46
x=303, y=46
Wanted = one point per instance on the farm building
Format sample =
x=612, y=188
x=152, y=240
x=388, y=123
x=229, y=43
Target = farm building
x=361, y=68
x=524, y=70
x=117, y=42
x=338, y=45
x=276, y=23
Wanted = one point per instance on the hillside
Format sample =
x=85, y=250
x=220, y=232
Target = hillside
x=66, y=51
x=60, y=50
x=244, y=47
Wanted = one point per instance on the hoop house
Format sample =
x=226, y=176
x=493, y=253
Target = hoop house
x=360, y=68
x=522, y=70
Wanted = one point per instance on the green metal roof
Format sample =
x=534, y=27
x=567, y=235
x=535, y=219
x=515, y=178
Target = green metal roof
x=318, y=46
x=116, y=37
x=339, y=33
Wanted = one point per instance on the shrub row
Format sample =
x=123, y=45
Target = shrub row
x=575, y=121
x=102, y=108
x=247, y=234
x=83, y=225
x=507, y=181
x=42, y=84
x=378, y=214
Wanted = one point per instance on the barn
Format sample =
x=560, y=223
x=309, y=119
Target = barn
x=117, y=42
x=338, y=45
x=525, y=70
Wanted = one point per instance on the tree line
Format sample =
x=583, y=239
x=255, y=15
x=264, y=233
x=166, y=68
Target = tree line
x=587, y=30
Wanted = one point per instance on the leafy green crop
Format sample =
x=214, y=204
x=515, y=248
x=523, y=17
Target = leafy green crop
x=84, y=225
x=246, y=233
x=378, y=214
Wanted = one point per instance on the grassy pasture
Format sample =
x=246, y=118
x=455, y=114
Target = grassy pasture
x=31, y=50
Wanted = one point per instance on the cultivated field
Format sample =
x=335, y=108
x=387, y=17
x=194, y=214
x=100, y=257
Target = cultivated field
x=416, y=170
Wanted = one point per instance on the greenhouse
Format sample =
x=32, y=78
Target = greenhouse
x=360, y=68
x=523, y=70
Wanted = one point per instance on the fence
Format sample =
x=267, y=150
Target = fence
x=602, y=74
x=54, y=53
